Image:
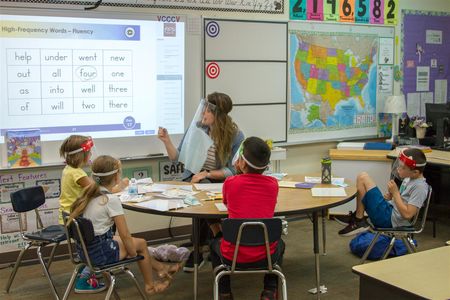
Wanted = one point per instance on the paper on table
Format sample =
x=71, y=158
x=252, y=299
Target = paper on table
x=160, y=187
x=210, y=187
x=133, y=198
x=147, y=180
x=328, y=192
x=176, y=193
x=163, y=204
x=311, y=179
x=221, y=206
x=287, y=184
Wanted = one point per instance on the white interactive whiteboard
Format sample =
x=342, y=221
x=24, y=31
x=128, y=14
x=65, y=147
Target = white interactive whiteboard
x=248, y=61
x=112, y=63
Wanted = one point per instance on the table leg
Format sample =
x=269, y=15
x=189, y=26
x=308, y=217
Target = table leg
x=324, y=232
x=316, y=250
x=195, y=241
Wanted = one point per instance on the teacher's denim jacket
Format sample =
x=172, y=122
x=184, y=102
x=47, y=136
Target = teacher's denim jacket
x=228, y=169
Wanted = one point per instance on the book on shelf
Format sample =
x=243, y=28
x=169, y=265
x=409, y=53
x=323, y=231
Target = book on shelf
x=23, y=148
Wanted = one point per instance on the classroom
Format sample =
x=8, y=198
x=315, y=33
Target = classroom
x=335, y=88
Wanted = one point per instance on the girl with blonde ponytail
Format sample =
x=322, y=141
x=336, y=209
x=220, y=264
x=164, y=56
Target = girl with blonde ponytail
x=98, y=204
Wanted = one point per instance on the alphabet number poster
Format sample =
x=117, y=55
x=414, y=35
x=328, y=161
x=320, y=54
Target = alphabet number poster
x=23, y=148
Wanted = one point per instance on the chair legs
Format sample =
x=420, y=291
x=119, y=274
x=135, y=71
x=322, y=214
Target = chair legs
x=45, y=267
x=283, y=282
x=216, y=282
x=143, y=295
x=369, y=249
x=112, y=283
x=16, y=267
x=72, y=281
x=219, y=273
x=389, y=248
x=52, y=254
x=46, y=273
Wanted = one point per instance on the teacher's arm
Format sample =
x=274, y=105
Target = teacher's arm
x=164, y=136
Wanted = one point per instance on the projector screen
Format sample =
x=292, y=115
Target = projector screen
x=94, y=76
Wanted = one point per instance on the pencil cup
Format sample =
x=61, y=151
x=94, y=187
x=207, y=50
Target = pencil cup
x=326, y=170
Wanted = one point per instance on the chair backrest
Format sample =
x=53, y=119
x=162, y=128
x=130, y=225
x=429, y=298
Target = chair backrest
x=252, y=233
x=421, y=216
x=82, y=232
x=27, y=199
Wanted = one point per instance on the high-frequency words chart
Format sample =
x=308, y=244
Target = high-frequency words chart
x=66, y=81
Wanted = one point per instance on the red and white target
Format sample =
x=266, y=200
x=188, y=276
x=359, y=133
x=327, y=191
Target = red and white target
x=212, y=70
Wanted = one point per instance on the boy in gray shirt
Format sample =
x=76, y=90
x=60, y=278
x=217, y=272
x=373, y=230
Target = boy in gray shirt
x=398, y=206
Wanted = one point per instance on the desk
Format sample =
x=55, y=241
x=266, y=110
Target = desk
x=290, y=202
x=422, y=275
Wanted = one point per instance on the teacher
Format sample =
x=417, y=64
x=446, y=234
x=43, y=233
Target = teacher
x=209, y=145
x=207, y=151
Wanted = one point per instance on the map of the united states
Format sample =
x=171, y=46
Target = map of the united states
x=331, y=74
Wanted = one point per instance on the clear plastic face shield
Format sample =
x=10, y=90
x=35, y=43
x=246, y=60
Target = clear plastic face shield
x=87, y=147
x=240, y=154
x=208, y=112
x=403, y=166
x=196, y=143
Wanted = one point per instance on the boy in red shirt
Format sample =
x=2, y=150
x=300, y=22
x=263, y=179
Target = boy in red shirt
x=249, y=195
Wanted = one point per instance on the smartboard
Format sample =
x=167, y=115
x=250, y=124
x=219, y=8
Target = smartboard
x=130, y=146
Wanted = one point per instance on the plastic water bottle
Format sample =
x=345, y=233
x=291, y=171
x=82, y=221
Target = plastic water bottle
x=132, y=187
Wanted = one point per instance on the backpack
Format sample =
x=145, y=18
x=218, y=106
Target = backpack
x=361, y=242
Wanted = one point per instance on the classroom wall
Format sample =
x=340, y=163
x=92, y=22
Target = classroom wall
x=300, y=158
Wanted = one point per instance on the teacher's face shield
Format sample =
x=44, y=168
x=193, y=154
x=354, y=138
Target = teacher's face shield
x=404, y=166
x=197, y=141
x=208, y=115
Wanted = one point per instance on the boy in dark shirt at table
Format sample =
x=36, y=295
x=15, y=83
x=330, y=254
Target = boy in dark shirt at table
x=249, y=195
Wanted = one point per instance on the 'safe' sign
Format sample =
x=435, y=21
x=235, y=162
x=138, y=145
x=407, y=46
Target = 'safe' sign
x=170, y=171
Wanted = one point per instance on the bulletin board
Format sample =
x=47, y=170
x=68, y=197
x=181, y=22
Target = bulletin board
x=426, y=59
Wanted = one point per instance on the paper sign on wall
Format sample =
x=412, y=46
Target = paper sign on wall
x=423, y=79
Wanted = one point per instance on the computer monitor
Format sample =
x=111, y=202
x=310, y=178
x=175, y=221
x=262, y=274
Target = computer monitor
x=439, y=116
x=436, y=112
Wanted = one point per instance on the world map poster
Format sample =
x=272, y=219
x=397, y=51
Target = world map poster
x=333, y=84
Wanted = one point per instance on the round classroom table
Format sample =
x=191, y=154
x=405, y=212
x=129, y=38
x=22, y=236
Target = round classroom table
x=291, y=201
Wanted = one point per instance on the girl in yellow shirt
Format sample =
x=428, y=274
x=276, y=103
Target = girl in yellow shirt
x=77, y=151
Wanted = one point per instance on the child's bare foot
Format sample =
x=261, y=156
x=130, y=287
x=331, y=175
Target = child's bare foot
x=157, y=287
x=169, y=270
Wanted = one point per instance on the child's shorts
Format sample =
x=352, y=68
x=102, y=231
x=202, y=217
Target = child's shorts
x=102, y=250
x=378, y=209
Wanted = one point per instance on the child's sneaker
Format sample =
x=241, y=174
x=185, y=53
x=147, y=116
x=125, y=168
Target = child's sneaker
x=355, y=227
x=345, y=219
x=89, y=285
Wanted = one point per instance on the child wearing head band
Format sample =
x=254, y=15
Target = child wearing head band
x=98, y=204
x=249, y=195
x=397, y=207
x=77, y=151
